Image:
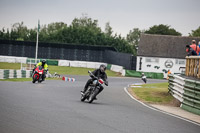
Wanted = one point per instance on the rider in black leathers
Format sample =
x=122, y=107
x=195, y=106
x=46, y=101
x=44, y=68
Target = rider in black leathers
x=99, y=73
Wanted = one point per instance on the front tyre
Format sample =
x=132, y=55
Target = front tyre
x=93, y=95
x=34, y=78
x=83, y=97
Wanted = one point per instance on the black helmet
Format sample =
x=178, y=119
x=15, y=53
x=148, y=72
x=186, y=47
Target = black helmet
x=43, y=62
x=102, y=68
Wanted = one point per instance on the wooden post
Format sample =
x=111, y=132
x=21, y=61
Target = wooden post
x=192, y=66
x=198, y=69
x=195, y=67
x=186, y=67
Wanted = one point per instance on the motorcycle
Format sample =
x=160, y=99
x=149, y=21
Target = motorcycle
x=144, y=79
x=37, y=74
x=93, y=89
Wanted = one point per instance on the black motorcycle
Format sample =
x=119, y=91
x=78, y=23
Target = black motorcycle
x=93, y=89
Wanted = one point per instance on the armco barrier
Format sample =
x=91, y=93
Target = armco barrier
x=187, y=91
x=7, y=74
x=176, y=87
x=116, y=68
x=48, y=61
x=13, y=59
x=84, y=64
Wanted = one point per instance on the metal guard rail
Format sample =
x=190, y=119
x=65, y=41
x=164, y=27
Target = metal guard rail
x=186, y=91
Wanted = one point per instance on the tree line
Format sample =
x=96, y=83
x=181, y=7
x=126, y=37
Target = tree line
x=86, y=31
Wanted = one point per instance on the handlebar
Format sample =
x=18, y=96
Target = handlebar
x=92, y=75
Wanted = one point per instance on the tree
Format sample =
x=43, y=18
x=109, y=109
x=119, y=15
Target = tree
x=51, y=32
x=82, y=30
x=19, y=32
x=32, y=34
x=162, y=30
x=133, y=36
x=108, y=29
x=85, y=30
x=195, y=33
x=5, y=35
x=133, y=39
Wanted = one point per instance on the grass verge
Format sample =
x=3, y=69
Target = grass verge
x=17, y=79
x=156, y=93
x=62, y=70
x=26, y=79
x=76, y=71
x=5, y=65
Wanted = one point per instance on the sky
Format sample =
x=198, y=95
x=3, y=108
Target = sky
x=123, y=15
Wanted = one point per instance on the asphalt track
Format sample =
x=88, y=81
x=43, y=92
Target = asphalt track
x=54, y=106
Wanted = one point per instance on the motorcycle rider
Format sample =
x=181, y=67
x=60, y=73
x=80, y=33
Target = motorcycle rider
x=99, y=73
x=44, y=66
x=144, y=78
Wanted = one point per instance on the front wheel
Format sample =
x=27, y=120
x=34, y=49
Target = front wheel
x=83, y=97
x=93, y=95
x=34, y=78
x=145, y=80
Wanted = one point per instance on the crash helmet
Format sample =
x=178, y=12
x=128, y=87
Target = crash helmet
x=102, y=68
x=43, y=62
x=142, y=74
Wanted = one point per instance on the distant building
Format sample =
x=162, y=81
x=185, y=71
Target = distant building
x=159, y=53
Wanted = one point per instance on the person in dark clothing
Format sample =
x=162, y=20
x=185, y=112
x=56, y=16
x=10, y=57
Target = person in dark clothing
x=99, y=73
x=190, y=50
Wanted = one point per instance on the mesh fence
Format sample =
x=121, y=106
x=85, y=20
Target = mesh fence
x=68, y=52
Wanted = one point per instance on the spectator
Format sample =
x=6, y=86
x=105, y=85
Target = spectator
x=199, y=47
x=195, y=47
x=192, y=49
x=168, y=73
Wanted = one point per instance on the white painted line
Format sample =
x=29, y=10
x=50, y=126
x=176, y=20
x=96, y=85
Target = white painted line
x=136, y=86
x=125, y=89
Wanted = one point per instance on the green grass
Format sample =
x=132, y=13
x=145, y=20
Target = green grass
x=62, y=70
x=154, y=93
x=26, y=79
x=76, y=71
x=17, y=79
x=5, y=65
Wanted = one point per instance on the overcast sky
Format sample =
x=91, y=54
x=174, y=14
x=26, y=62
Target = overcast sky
x=123, y=15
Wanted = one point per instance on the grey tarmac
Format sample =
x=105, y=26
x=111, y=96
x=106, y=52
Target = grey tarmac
x=54, y=106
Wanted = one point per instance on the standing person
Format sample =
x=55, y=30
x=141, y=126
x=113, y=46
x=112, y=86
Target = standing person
x=168, y=73
x=199, y=47
x=195, y=47
x=192, y=49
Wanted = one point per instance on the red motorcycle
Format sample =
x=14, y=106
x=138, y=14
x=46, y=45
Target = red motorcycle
x=37, y=74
